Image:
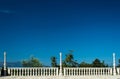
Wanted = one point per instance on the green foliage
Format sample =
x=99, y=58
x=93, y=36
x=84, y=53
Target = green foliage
x=32, y=62
x=70, y=62
x=98, y=63
x=84, y=64
x=64, y=64
x=53, y=62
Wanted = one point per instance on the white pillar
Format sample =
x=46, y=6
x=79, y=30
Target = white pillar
x=60, y=73
x=4, y=61
x=5, y=71
x=114, y=70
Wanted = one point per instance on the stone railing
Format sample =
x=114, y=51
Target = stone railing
x=54, y=71
x=87, y=71
x=33, y=71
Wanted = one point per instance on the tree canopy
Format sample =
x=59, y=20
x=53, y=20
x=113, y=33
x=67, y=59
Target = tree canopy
x=32, y=62
x=53, y=62
x=98, y=63
x=70, y=62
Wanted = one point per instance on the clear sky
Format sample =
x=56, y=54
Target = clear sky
x=43, y=28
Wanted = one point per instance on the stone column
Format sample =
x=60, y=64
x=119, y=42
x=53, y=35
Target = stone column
x=60, y=73
x=5, y=71
x=114, y=70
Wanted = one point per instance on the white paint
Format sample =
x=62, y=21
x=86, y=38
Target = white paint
x=4, y=61
x=60, y=73
x=114, y=70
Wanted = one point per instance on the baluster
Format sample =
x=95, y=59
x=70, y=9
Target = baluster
x=89, y=71
x=57, y=71
x=33, y=72
x=16, y=72
x=109, y=72
x=101, y=71
x=39, y=72
x=119, y=71
x=66, y=71
x=42, y=72
x=79, y=72
x=84, y=71
x=27, y=71
x=98, y=71
x=54, y=71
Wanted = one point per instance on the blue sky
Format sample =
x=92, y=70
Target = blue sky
x=44, y=28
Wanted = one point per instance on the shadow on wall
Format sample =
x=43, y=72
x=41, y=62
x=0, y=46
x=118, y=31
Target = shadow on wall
x=4, y=72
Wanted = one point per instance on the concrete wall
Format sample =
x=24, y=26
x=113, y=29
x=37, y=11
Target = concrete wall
x=64, y=77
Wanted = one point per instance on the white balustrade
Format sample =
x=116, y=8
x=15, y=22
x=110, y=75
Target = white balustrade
x=87, y=71
x=50, y=71
x=33, y=71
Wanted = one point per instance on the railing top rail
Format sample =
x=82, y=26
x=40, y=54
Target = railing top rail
x=87, y=67
x=34, y=67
